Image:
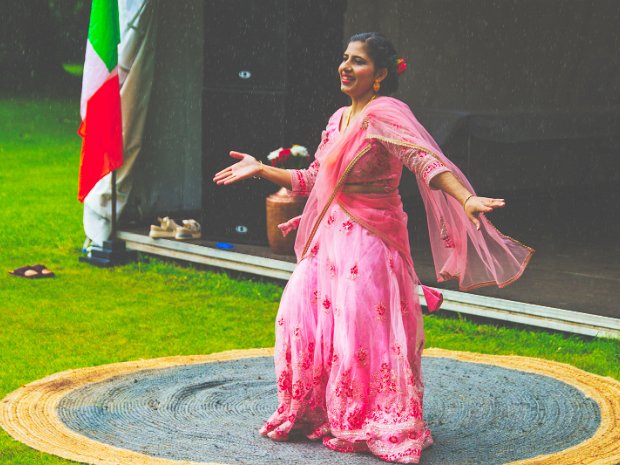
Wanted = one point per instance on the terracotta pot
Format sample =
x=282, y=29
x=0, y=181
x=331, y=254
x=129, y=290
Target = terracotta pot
x=281, y=207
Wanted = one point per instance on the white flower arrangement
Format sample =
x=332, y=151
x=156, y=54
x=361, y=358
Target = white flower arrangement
x=296, y=156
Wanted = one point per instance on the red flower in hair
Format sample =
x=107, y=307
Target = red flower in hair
x=401, y=66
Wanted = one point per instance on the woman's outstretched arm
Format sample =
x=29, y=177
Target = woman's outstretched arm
x=436, y=175
x=472, y=204
x=248, y=167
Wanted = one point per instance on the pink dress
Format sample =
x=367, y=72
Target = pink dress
x=349, y=330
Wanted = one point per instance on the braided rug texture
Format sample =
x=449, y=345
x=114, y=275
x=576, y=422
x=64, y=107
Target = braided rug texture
x=482, y=409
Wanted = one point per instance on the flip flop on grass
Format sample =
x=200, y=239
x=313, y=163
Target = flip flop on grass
x=43, y=271
x=32, y=272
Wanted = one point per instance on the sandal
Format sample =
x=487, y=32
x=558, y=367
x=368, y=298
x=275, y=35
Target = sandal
x=189, y=230
x=32, y=272
x=167, y=228
x=43, y=271
x=26, y=272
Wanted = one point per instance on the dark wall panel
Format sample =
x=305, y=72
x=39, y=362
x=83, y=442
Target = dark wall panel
x=270, y=81
x=249, y=123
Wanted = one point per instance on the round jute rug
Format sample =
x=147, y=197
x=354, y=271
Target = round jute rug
x=482, y=410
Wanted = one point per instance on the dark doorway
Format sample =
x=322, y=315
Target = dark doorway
x=270, y=81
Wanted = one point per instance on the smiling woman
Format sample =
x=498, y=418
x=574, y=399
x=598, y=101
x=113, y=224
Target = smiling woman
x=358, y=73
x=349, y=330
x=368, y=49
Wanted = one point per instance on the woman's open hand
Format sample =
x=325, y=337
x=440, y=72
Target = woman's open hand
x=475, y=205
x=246, y=167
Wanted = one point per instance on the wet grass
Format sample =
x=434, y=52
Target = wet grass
x=89, y=316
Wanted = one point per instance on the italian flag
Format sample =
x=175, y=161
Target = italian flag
x=100, y=107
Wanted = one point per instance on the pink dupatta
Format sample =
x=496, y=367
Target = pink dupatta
x=475, y=258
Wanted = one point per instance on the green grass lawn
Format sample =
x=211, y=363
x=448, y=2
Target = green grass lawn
x=89, y=316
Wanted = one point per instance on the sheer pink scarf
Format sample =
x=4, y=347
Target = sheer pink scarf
x=475, y=258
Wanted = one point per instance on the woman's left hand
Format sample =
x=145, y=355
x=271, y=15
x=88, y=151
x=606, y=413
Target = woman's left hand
x=475, y=205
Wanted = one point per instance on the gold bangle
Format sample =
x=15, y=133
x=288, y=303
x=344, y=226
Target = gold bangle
x=465, y=201
x=257, y=176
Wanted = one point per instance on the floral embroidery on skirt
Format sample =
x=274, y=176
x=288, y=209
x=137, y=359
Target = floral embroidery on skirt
x=349, y=341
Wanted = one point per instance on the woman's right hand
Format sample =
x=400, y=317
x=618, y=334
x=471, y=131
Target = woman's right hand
x=246, y=167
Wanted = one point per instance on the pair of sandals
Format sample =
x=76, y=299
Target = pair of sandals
x=33, y=272
x=168, y=229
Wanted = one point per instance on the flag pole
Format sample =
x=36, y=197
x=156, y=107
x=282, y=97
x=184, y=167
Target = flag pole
x=113, y=251
x=102, y=145
x=113, y=189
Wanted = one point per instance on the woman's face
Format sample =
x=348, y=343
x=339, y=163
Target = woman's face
x=357, y=71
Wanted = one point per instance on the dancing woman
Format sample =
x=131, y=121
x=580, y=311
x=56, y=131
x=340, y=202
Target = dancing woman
x=349, y=330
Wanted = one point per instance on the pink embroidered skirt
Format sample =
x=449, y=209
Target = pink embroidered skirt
x=349, y=341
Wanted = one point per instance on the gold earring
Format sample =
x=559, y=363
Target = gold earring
x=376, y=86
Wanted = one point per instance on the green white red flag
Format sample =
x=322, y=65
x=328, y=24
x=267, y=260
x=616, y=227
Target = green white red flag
x=100, y=106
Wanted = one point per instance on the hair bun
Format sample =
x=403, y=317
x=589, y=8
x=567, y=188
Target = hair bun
x=401, y=65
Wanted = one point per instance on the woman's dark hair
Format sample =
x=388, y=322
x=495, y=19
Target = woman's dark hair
x=383, y=54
